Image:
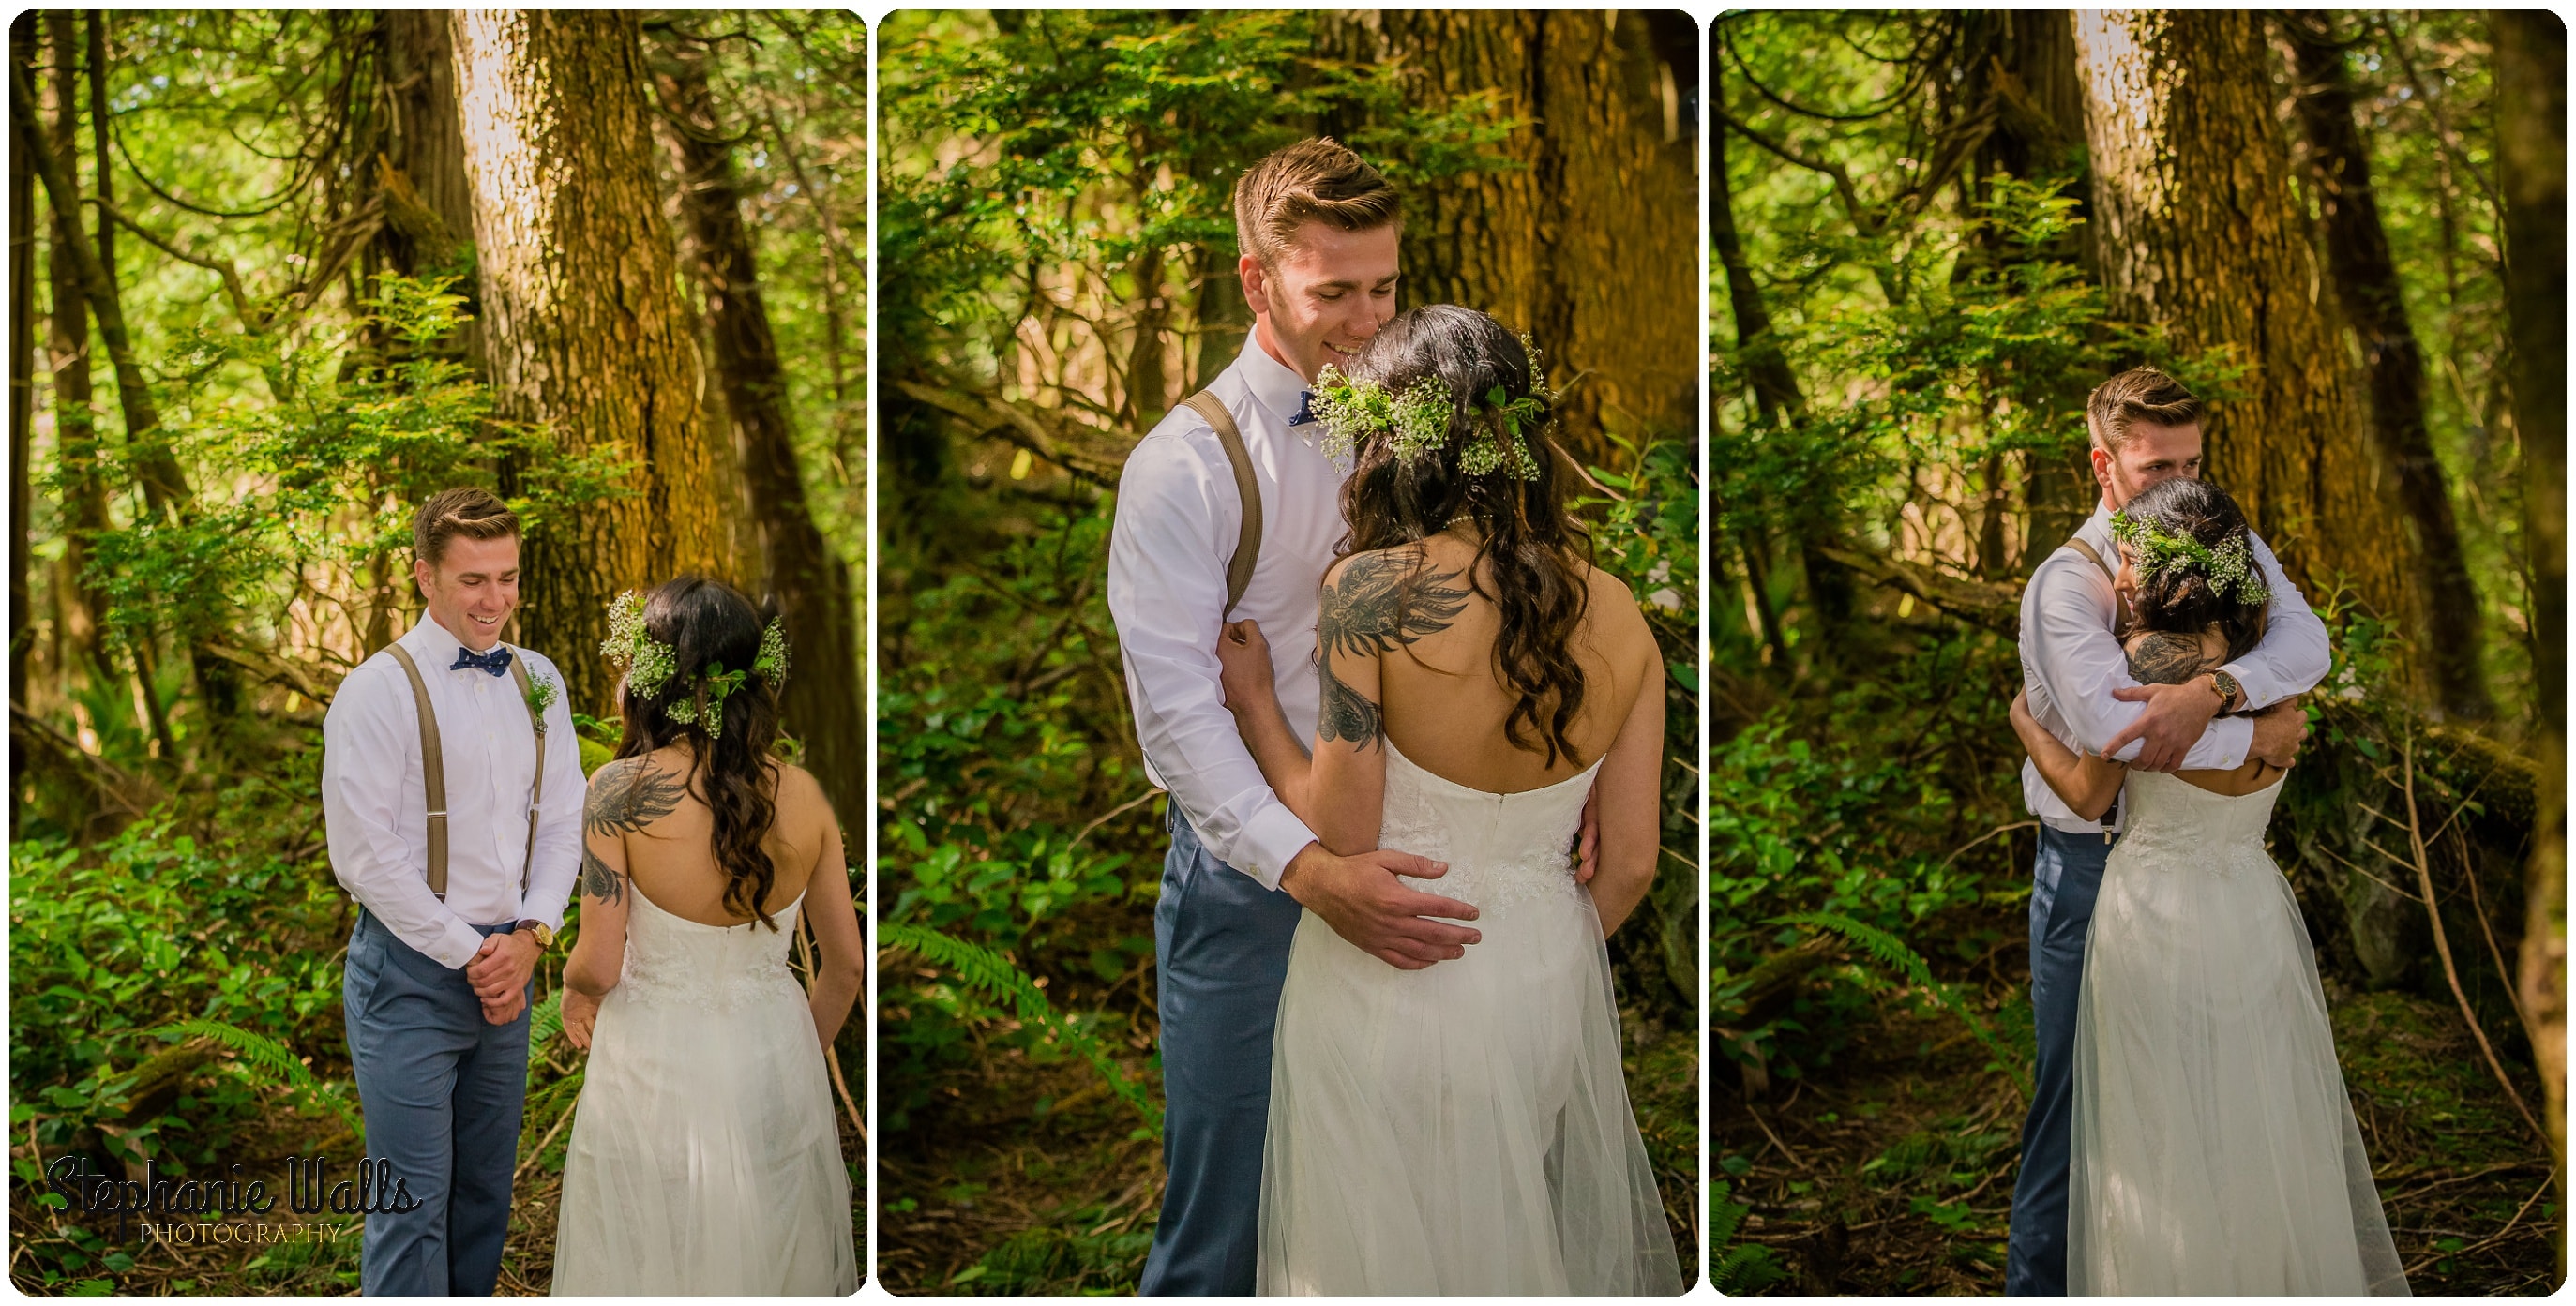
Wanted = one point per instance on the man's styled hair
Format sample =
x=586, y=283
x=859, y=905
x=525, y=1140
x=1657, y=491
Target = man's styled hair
x=1314, y=180
x=2141, y=394
x=475, y=514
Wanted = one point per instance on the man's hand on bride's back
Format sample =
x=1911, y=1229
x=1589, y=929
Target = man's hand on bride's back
x=2278, y=731
x=2169, y=725
x=1365, y=904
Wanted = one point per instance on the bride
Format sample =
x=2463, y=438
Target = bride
x=1462, y=1129
x=705, y=1156
x=2214, y=1148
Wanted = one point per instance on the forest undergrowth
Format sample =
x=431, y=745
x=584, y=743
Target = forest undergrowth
x=1022, y=1173
x=1895, y=1175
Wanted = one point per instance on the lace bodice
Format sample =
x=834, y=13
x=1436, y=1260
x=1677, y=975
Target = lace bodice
x=674, y=961
x=2166, y=814
x=1501, y=848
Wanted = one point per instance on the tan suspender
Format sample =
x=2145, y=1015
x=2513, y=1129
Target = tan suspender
x=433, y=770
x=2080, y=546
x=1247, y=545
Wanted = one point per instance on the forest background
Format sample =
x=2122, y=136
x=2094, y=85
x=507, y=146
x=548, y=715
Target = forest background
x=1935, y=233
x=1057, y=272
x=269, y=289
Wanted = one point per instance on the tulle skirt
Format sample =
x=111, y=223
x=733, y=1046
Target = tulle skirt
x=2214, y=1150
x=1458, y=1130
x=705, y=1159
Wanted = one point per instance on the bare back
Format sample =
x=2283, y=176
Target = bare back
x=1446, y=705
x=668, y=835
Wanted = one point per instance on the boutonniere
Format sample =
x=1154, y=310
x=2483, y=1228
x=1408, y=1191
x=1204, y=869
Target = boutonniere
x=542, y=693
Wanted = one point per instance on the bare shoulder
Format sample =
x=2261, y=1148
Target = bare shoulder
x=798, y=790
x=629, y=794
x=1615, y=617
x=1381, y=598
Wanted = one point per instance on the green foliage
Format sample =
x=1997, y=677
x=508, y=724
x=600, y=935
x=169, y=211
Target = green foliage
x=1097, y=136
x=1645, y=530
x=993, y=973
x=268, y=1060
x=1892, y=953
x=1744, y=1267
x=346, y=433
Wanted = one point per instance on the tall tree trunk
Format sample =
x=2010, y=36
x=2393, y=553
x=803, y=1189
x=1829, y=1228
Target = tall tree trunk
x=430, y=221
x=584, y=329
x=2531, y=149
x=2198, y=232
x=825, y=700
x=22, y=392
x=67, y=343
x=2026, y=66
x=165, y=487
x=1587, y=245
x=1766, y=371
x=2365, y=281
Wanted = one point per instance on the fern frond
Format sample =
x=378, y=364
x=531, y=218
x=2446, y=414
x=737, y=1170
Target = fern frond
x=545, y=1022
x=1892, y=952
x=982, y=968
x=267, y=1059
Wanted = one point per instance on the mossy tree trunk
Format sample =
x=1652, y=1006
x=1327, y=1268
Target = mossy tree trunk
x=2198, y=232
x=2531, y=141
x=2366, y=286
x=1591, y=243
x=826, y=697
x=585, y=332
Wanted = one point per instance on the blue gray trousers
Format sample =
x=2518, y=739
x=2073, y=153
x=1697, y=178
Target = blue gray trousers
x=443, y=1093
x=2064, y=879
x=1220, y=958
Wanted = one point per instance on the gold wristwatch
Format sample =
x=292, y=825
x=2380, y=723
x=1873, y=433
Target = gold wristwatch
x=545, y=933
x=2227, y=689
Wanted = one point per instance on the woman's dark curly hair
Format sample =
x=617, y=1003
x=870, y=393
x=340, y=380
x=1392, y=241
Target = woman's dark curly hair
x=709, y=623
x=2182, y=600
x=1532, y=548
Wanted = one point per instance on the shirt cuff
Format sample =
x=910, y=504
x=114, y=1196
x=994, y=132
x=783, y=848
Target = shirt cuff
x=1270, y=840
x=2233, y=737
x=456, y=945
x=2260, y=692
x=530, y=912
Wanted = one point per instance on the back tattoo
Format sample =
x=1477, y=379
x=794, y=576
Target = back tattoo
x=1381, y=602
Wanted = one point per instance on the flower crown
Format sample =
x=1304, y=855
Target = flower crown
x=2229, y=567
x=1417, y=421
x=649, y=664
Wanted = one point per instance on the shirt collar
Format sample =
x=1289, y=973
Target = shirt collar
x=1274, y=385
x=430, y=639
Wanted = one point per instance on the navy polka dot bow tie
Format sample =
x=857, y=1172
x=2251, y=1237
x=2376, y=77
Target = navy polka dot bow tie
x=1305, y=408
x=495, y=662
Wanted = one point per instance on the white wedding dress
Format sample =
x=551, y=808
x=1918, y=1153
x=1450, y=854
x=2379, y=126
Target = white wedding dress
x=1462, y=1129
x=2214, y=1150
x=705, y=1159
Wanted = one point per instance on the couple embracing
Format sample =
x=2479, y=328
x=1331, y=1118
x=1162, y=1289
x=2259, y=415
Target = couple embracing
x=1413, y=742
x=2189, y=1131
x=704, y=1155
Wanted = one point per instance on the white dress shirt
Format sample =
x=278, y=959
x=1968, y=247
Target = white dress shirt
x=1178, y=520
x=2070, y=663
x=377, y=811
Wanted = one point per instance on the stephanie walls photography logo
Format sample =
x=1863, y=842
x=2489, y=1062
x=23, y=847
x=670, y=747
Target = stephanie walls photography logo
x=193, y=1210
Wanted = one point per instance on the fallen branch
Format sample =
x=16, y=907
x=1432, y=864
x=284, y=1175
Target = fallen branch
x=2442, y=941
x=1990, y=604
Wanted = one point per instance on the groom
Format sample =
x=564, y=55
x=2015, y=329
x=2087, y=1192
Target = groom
x=1317, y=228
x=2145, y=428
x=452, y=792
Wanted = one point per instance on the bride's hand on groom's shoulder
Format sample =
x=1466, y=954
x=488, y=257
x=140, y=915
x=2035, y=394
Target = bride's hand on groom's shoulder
x=1243, y=664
